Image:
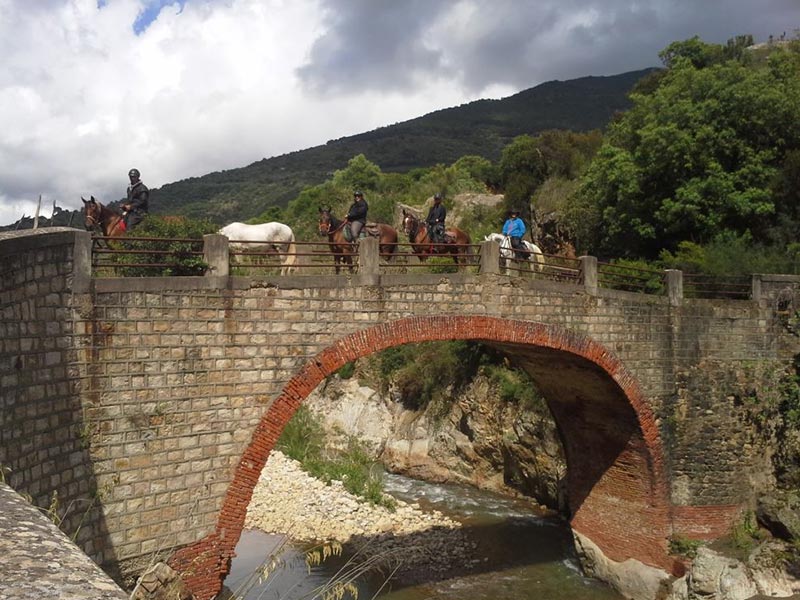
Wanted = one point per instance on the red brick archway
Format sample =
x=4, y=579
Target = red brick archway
x=623, y=506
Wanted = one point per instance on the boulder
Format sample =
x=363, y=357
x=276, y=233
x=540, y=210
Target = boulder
x=779, y=512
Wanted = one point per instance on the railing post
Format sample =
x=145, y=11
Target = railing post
x=756, y=287
x=216, y=255
x=82, y=262
x=674, y=279
x=369, y=260
x=589, y=274
x=490, y=258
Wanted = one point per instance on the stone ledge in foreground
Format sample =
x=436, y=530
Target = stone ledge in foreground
x=39, y=561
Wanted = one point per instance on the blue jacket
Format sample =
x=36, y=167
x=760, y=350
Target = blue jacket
x=514, y=227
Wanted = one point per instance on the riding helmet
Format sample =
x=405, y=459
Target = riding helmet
x=437, y=196
x=133, y=173
x=357, y=193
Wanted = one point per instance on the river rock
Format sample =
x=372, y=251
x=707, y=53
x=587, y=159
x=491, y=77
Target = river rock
x=286, y=500
x=717, y=577
x=779, y=511
x=633, y=579
x=769, y=570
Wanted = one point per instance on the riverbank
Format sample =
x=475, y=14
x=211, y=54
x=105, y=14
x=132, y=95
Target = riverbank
x=287, y=500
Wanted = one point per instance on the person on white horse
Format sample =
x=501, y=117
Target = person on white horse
x=514, y=228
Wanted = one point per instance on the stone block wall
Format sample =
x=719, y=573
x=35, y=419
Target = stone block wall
x=43, y=441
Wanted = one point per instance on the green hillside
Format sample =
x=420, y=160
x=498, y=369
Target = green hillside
x=480, y=128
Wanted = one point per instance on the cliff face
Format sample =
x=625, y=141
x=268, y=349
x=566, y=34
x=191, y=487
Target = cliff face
x=482, y=440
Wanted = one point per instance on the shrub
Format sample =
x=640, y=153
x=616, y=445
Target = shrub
x=303, y=439
x=683, y=546
x=168, y=256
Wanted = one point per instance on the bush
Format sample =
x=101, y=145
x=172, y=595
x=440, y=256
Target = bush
x=303, y=439
x=514, y=385
x=427, y=373
x=683, y=546
x=168, y=256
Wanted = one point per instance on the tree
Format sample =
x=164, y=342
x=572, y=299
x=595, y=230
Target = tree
x=522, y=170
x=698, y=155
x=360, y=174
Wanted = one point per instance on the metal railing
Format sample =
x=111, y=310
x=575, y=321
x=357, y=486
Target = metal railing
x=149, y=256
x=713, y=286
x=146, y=256
x=632, y=279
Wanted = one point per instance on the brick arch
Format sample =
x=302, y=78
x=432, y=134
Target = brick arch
x=640, y=481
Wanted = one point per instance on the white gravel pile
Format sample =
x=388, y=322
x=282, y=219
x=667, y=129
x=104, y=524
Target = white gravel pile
x=289, y=501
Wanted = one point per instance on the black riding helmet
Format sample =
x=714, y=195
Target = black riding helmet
x=436, y=197
x=357, y=194
x=134, y=173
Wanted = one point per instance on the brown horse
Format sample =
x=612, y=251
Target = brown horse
x=343, y=251
x=456, y=242
x=102, y=220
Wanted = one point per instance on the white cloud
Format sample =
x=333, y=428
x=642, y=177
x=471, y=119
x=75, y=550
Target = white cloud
x=207, y=88
x=213, y=84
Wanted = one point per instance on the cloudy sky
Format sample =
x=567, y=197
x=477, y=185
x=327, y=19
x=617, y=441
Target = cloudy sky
x=181, y=88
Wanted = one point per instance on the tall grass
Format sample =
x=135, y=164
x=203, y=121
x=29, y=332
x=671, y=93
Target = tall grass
x=303, y=439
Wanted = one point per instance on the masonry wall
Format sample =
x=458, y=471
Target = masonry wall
x=43, y=443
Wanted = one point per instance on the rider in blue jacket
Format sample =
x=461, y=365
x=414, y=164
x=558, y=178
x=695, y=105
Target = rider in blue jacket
x=514, y=228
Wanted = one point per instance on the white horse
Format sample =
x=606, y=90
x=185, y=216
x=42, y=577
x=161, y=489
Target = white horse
x=279, y=236
x=535, y=255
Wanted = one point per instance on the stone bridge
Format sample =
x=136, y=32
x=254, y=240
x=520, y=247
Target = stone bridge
x=147, y=407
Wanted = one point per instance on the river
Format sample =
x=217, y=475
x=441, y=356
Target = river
x=521, y=555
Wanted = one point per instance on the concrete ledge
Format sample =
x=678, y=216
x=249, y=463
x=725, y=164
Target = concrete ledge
x=14, y=242
x=40, y=562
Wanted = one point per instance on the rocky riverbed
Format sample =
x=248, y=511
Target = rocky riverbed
x=289, y=501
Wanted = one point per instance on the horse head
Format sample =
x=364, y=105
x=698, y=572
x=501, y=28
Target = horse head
x=92, y=210
x=410, y=224
x=325, y=220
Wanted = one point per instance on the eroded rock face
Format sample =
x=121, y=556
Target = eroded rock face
x=780, y=513
x=482, y=441
x=631, y=578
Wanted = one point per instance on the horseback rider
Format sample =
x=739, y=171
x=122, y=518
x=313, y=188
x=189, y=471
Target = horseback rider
x=514, y=228
x=435, y=220
x=135, y=209
x=357, y=215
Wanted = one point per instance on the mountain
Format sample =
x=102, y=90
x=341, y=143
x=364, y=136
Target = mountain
x=480, y=128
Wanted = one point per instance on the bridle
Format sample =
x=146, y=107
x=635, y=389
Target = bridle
x=412, y=225
x=327, y=224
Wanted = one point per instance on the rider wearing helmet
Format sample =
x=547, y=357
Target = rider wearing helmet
x=435, y=219
x=514, y=227
x=136, y=206
x=357, y=215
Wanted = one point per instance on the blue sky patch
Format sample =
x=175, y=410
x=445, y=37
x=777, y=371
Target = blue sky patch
x=150, y=12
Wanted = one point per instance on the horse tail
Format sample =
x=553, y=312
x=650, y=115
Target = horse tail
x=538, y=258
x=290, y=260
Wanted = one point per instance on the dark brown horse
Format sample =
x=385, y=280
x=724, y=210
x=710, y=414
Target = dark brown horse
x=102, y=220
x=456, y=242
x=343, y=251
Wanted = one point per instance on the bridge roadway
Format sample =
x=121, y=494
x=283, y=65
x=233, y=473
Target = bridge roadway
x=154, y=402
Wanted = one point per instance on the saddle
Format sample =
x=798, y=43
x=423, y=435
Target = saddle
x=370, y=229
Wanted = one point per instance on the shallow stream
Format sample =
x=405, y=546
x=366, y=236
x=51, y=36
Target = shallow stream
x=522, y=555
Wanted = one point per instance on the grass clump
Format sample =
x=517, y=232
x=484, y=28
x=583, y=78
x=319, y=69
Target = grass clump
x=303, y=439
x=683, y=546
